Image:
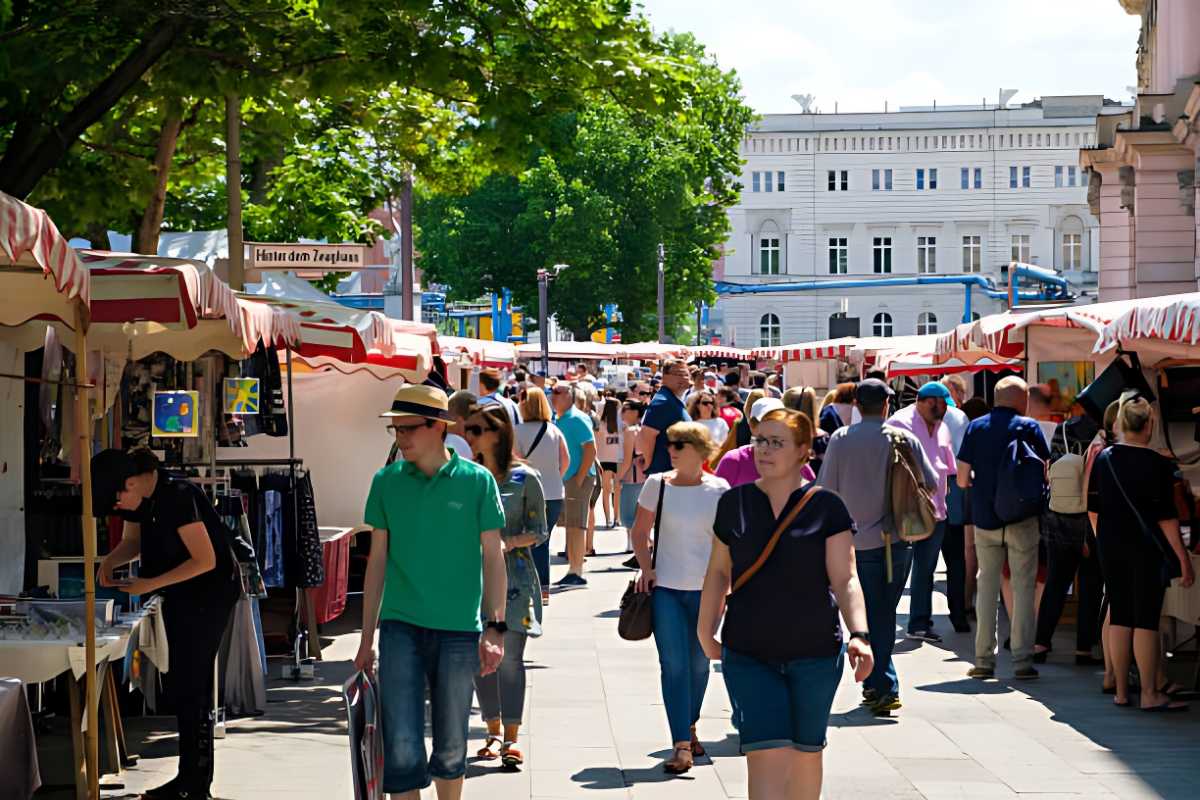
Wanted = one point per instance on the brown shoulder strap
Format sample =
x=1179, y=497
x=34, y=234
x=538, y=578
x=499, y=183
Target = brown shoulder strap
x=779, y=529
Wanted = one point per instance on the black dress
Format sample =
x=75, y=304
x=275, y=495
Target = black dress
x=1132, y=563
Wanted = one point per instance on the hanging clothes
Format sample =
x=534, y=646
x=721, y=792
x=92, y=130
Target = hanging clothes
x=272, y=416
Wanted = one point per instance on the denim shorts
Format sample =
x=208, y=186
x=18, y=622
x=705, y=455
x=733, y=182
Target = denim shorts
x=409, y=658
x=784, y=704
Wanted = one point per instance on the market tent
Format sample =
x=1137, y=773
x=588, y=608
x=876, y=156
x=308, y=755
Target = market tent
x=721, y=351
x=480, y=352
x=43, y=275
x=654, y=351
x=572, y=351
x=809, y=351
x=1171, y=322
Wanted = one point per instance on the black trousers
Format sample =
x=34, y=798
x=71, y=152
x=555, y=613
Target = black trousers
x=955, y=554
x=194, y=633
x=1065, y=559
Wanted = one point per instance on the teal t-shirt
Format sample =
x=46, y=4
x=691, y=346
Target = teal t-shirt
x=435, y=560
x=577, y=430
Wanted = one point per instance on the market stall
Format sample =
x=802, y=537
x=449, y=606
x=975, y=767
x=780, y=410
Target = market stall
x=820, y=364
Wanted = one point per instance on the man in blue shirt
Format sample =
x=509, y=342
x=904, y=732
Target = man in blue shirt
x=579, y=479
x=489, y=382
x=981, y=457
x=665, y=410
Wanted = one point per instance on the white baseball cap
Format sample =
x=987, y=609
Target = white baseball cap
x=764, y=406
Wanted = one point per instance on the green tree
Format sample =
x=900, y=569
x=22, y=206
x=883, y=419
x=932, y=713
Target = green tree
x=621, y=182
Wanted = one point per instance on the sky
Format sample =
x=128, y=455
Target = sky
x=861, y=53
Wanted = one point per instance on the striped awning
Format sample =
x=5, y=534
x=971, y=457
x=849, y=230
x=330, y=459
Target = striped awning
x=721, y=351
x=480, y=352
x=809, y=351
x=43, y=277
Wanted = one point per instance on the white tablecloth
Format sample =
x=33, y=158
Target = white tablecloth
x=19, y=775
x=39, y=661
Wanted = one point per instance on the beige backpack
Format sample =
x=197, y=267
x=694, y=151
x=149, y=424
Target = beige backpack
x=1066, y=481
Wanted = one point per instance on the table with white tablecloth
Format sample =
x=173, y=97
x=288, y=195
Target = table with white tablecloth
x=19, y=774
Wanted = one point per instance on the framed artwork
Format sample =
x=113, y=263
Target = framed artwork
x=241, y=395
x=176, y=414
x=1066, y=380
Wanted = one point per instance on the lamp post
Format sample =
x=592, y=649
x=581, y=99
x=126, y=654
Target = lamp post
x=544, y=276
x=662, y=317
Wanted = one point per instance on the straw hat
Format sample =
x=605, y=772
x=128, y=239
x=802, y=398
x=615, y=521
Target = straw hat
x=420, y=401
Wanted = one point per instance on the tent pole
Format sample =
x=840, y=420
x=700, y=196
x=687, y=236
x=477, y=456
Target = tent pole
x=84, y=424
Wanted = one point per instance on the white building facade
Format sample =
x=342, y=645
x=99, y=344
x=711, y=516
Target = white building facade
x=832, y=203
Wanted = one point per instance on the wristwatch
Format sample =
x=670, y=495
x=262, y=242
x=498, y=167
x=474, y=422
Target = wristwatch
x=866, y=637
x=500, y=627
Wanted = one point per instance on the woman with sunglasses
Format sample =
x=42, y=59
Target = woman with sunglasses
x=502, y=693
x=702, y=408
x=683, y=503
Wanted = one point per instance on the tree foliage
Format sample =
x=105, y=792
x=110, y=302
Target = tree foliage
x=620, y=183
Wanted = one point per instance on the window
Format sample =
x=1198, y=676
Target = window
x=779, y=182
x=1084, y=176
x=965, y=178
x=874, y=180
x=972, y=253
x=926, y=323
x=979, y=177
x=755, y=182
x=837, y=316
x=921, y=174
x=926, y=255
x=839, y=255
x=768, y=255
x=846, y=180
x=1012, y=177
x=883, y=255
x=920, y=179
x=882, y=324
x=1058, y=177
x=1021, y=247
x=933, y=179
x=881, y=179
x=1024, y=177
x=832, y=185
x=770, y=334
x=767, y=183
x=832, y=177
x=1072, y=251
x=1071, y=172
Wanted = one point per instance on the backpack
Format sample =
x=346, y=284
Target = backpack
x=911, y=515
x=1066, y=481
x=1020, y=484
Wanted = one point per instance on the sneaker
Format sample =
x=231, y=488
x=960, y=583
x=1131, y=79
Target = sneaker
x=961, y=625
x=981, y=673
x=1025, y=674
x=571, y=579
x=925, y=636
x=870, y=697
x=885, y=705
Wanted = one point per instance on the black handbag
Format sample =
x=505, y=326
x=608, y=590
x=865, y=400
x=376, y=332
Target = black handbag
x=1170, y=562
x=636, y=621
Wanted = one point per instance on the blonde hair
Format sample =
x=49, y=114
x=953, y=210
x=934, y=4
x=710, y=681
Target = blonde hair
x=1135, y=415
x=829, y=398
x=696, y=435
x=535, y=407
x=752, y=398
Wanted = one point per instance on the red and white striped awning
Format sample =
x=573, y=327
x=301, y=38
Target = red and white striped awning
x=809, y=351
x=480, y=352
x=43, y=277
x=721, y=351
x=173, y=292
x=1173, y=319
x=573, y=351
x=654, y=351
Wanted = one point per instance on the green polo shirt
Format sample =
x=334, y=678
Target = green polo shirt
x=435, y=561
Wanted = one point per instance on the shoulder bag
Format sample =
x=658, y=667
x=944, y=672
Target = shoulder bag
x=1170, y=562
x=783, y=525
x=637, y=615
x=537, y=439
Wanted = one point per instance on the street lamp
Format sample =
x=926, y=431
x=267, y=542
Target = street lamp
x=544, y=276
x=662, y=316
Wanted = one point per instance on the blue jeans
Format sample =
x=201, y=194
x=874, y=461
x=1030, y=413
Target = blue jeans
x=541, y=553
x=924, y=563
x=882, y=597
x=681, y=660
x=628, y=504
x=409, y=658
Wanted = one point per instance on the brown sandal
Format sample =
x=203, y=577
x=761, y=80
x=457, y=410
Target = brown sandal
x=674, y=766
x=486, y=753
x=698, y=750
x=510, y=756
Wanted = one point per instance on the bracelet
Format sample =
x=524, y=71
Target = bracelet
x=866, y=637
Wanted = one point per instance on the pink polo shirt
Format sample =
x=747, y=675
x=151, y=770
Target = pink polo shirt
x=737, y=467
x=938, y=447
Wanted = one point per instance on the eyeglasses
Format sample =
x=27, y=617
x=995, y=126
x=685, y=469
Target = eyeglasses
x=770, y=443
x=409, y=429
x=477, y=430
x=677, y=445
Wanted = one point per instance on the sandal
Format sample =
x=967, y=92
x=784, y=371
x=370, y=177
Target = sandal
x=510, y=756
x=698, y=750
x=486, y=753
x=676, y=766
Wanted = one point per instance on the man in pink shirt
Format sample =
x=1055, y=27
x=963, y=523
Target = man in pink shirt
x=737, y=466
x=924, y=420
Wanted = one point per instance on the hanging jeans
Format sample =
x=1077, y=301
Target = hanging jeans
x=194, y=633
x=882, y=597
x=502, y=693
x=681, y=660
x=272, y=555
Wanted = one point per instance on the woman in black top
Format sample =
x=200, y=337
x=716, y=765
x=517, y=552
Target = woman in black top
x=781, y=647
x=1132, y=507
x=171, y=527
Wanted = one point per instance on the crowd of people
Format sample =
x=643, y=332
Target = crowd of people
x=762, y=524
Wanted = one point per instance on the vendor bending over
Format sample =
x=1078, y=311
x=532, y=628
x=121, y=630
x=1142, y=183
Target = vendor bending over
x=191, y=565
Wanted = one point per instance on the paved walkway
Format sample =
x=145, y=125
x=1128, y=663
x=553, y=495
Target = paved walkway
x=595, y=727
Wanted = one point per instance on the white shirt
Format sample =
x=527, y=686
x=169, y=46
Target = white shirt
x=609, y=446
x=717, y=428
x=686, y=529
x=1048, y=428
x=545, y=459
x=956, y=422
x=495, y=398
x=459, y=445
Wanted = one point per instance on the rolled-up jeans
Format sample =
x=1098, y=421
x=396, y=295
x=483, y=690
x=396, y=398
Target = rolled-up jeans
x=409, y=658
x=502, y=693
x=541, y=553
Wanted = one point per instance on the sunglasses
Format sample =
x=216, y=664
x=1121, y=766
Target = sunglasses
x=477, y=430
x=707, y=403
x=398, y=429
x=678, y=446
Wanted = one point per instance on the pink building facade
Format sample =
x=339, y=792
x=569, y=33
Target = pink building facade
x=1143, y=188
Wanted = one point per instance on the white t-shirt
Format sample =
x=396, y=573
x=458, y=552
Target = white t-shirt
x=717, y=428
x=956, y=422
x=545, y=459
x=686, y=530
x=459, y=445
x=608, y=445
x=1048, y=428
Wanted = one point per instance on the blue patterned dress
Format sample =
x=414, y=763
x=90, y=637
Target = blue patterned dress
x=525, y=513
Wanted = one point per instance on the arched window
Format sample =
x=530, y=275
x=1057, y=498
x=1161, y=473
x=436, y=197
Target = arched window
x=769, y=248
x=770, y=334
x=926, y=323
x=1071, y=237
x=882, y=325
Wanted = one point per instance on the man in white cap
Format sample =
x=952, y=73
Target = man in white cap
x=436, y=560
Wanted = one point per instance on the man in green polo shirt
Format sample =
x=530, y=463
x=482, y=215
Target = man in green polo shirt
x=436, y=560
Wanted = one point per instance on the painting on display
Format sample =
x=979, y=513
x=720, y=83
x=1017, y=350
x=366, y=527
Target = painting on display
x=1066, y=379
x=241, y=395
x=176, y=414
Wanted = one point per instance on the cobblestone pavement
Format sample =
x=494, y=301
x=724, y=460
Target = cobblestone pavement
x=595, y=726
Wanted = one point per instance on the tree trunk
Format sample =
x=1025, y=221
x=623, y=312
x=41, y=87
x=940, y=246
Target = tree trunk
x=145, y=238
x=97, y=234
x=35, y=148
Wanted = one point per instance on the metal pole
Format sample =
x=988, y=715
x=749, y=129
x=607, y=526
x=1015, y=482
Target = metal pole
x=406, y=247
x=83, y=422
x=543, y=333
x=233, y=190
x=699, y=305
x=662, y=314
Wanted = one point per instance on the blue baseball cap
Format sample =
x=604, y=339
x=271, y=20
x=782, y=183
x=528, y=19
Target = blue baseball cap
x=935, y=389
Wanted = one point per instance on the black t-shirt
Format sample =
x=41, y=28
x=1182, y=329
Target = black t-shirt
x=1148, y=479
x=174, y=504
x=787, y=610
